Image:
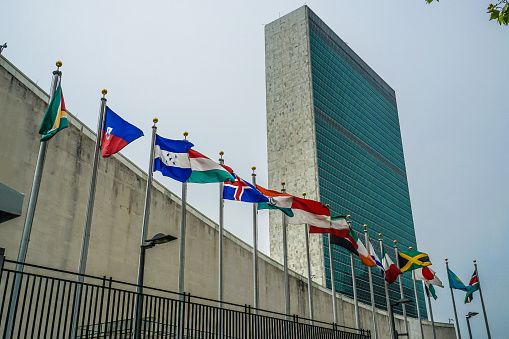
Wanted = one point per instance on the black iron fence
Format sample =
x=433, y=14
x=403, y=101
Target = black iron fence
x=48, y=303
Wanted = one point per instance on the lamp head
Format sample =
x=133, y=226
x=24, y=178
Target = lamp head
x=161, y=238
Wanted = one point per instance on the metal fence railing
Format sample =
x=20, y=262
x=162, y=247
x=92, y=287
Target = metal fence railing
x=48, y=303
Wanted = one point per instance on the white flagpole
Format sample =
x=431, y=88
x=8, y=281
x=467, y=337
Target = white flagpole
x=482, y=302
x=221, y=229
x=285, y=261
x=144, y=231
x=453, y=302
x=182, y=257
x=354, y=285
x=372, y=294
x=29, y=219
x=310, y=291
x=88, y=217
x=91, y=192
x=387, y=298
x=401, y=293
x=333, y=283
x=417, y=302
x=255, y=248
x=430, y=310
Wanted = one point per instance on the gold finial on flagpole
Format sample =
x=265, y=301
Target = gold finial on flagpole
x=185, y=135
x=446, y=259
x=253, y=168
x=221, y=153
x=348, y=216
x=104, y=91
x=410, y=248
x=304, y=194
x=475, y=260
x=59, y=63
x=365, y=226
x=155, y=120
x=327, y=205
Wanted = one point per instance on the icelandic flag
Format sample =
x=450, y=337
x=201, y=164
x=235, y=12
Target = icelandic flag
x=117, y=133
x=171, y=158
x=242, y=191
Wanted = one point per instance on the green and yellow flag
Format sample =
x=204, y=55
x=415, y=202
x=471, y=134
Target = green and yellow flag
x=55, y=118
x=411, y=260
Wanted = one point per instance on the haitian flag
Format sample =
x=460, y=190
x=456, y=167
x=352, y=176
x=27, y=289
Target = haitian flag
x=242, y=191
x=117, y=133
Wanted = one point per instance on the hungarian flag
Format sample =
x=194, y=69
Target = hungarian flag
x=338, y=227
x=117, y=133
x=241, y=190
x=391, y=270
x=412, y=260
x=473, y=286
x=206, y=171
x=277, y=200
x=55, y=118
x=354, y=245
x=309, y=212
x=427, y=275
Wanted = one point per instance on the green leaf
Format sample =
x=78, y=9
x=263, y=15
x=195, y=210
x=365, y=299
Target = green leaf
x=494, y=14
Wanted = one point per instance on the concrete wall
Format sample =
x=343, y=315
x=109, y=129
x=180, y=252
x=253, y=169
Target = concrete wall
x=116, y=226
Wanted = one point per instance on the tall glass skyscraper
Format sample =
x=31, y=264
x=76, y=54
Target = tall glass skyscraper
x=333, y=132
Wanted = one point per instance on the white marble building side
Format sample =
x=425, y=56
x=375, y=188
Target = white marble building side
x=290, y=133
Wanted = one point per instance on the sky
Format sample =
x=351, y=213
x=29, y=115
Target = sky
x=198, y=66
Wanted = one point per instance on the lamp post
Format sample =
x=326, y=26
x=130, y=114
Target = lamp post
x=470, y=315
x=391, y=311
x=157, y=239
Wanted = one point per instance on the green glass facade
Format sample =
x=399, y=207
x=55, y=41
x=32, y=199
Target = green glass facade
x=361, y=166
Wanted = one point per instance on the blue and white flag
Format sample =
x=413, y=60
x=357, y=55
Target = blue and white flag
x=171, y=158
x=242, y=191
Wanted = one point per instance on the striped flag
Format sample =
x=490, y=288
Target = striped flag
x=206, y=171
x=55, y=118
x=354, y=245
x=473, y=286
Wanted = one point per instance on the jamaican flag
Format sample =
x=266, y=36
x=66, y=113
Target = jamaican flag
x=411, y=260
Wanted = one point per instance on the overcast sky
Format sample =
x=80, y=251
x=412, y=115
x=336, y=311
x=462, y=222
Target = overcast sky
x=199, y=67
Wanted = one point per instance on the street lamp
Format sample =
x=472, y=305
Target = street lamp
x=391, y=311
x=470, y=315
x=157, y=239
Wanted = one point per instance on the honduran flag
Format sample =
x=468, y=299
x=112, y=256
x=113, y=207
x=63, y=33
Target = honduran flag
x=117, y=133
x=241, y=190
x=171, y=158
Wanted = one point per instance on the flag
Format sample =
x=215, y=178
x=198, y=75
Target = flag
x=455, y=282
x=277, y=200
x=411, y=260
x=473, y=286
x=205, y=171
x=430, y=290
x=374, y=256
x=242, y=191
x=427, y=275
x=310, y=212
x=171, y=158
x=117, y=133
x=391, y=270
x=338, y=227
x=55, y=118
x=354, y=245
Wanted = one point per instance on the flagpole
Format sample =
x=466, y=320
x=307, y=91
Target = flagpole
x=144, y=231
x=453, y=302
x=333, y=283
x=285, y=261
x=91, y=192
x=354, y=284
x=401, y=293
x=255, y=248
x=182, y=256
x=482, y=301
x=372, y=294
x=221, y=229
x=430, y=310
x=387, y=298
x=29, y=219
x=417, y=302
x=310, y=292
